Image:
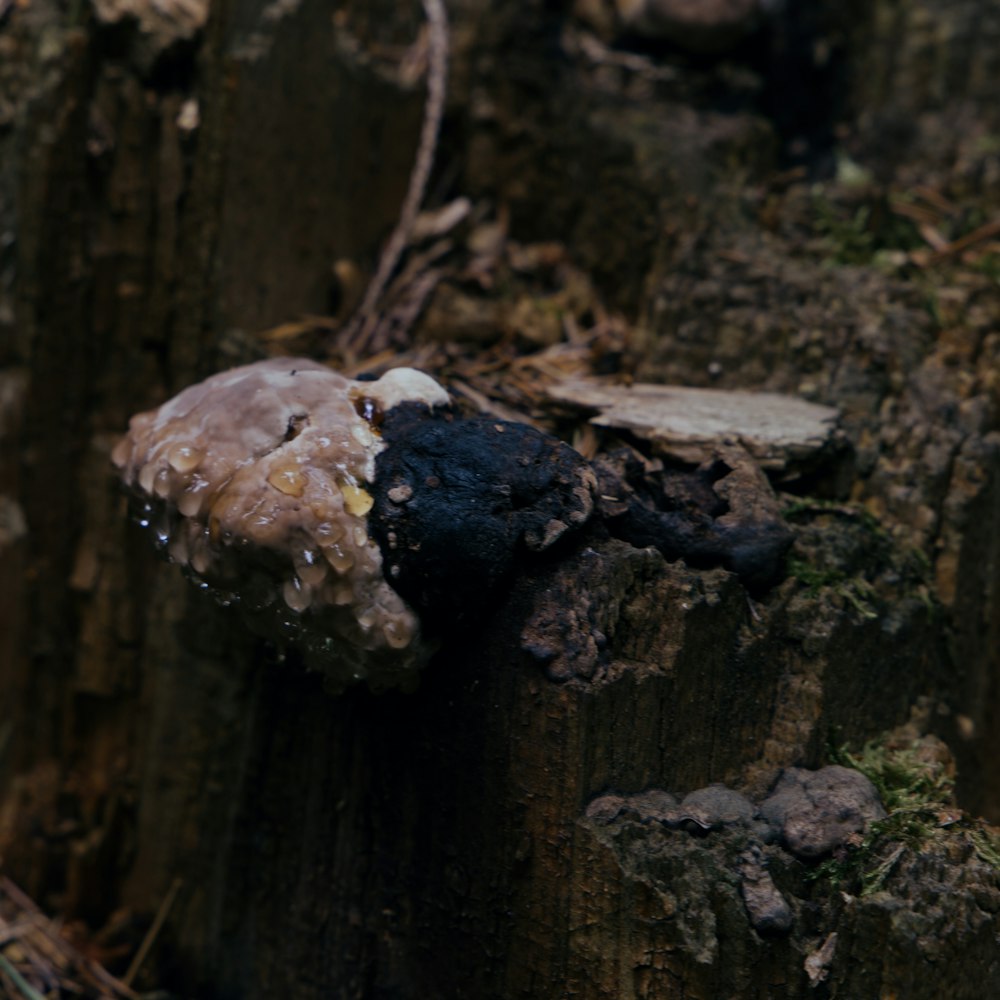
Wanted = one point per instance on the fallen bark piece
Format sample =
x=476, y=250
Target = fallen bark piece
x=687, y=423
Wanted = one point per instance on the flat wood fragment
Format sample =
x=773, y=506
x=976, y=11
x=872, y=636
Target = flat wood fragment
x=687, y=423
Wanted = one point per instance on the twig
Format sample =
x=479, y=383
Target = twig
x=154, y=930
x=403, y=317
x=362, y=325
x=599, y=54
x=48, y=934
x=980, y=235
x=22, y=984
x=28, y=942
x=13, y=932
x=484, y=404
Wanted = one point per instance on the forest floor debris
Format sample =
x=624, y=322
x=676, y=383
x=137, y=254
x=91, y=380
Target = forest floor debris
x=37, y=962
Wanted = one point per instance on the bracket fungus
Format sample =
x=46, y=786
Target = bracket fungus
x=289, y=490
x=362, y=521
x=255, y=481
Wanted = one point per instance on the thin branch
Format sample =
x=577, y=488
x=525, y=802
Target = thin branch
x=153, y=932
x=23, y=986
x=362, y=323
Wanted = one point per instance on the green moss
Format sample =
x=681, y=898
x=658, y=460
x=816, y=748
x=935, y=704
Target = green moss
x=807, y=507
x=814, y=577
x=844, y=549
x=987, y=846
x=905, y=779
x=856, y=591
x=916, y=791
x=848, y=237
x=857, y=233
x=988, y=144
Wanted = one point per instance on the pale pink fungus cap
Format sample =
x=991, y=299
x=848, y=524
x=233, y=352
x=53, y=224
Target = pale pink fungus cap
x=255, y=481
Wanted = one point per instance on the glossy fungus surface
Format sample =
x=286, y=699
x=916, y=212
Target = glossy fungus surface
x=256, y=481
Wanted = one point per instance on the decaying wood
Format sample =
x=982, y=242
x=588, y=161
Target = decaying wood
x=184, y=194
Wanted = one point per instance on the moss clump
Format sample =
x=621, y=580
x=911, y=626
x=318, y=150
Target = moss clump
x=857, y=592
x=910, y=777
x=916, y=784
x=843, y=549
x=856, y=228
x=835, y=548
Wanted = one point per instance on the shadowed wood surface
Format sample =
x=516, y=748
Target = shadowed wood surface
x=169, y=194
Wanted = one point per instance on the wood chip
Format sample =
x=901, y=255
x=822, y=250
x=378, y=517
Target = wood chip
x=686, y=423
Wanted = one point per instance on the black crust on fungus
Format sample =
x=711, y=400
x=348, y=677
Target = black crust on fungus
x=460, y=501
x=677, y=511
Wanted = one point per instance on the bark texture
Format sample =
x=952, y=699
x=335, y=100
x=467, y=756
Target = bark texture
x=173, y=182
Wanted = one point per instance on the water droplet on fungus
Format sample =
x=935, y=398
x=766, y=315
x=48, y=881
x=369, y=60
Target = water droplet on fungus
x=288, y=480
x=260, y=484
x=357, y=501
x=184, y=458
x=297, y=594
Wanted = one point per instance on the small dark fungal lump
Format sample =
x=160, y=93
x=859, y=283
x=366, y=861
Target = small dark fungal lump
x=714, y=807
x=810, y=812
x=721, y=513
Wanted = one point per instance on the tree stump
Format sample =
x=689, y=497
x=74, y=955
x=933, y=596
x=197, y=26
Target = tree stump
x=175, y=180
